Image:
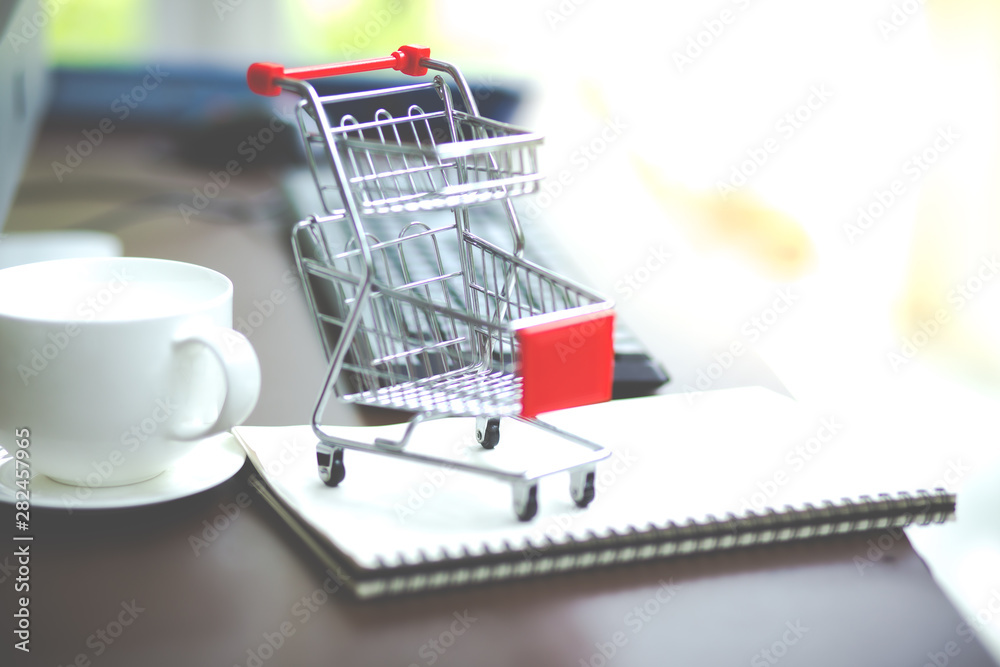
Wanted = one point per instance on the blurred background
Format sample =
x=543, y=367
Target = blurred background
x=797, y=195
x=820, y=178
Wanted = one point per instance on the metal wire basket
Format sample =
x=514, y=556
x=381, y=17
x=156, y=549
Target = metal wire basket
x=483, y=333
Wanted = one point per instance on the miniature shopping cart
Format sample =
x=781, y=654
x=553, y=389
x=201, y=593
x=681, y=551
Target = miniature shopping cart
x=479, y=333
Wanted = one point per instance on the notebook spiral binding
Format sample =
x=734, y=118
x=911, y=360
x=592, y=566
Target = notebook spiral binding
x=654, y=542
x=590, y=550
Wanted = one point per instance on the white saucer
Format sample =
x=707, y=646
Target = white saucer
x=212, y=462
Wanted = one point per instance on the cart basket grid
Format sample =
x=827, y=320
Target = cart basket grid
x=418, y=334
x=417, y=160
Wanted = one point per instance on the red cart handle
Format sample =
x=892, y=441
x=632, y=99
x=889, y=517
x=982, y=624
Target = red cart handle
x=261, y=76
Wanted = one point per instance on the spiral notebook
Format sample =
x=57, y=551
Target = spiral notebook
x=690, y=473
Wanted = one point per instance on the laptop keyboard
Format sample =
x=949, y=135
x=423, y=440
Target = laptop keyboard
x=636, y=372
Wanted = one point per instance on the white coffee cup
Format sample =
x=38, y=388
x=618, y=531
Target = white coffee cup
x=119, y=366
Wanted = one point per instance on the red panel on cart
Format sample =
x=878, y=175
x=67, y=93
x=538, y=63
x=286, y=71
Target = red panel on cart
x=566, y=363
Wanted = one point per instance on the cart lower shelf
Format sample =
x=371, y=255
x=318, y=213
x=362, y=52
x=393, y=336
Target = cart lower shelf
x=460, y=394
x=582, y=466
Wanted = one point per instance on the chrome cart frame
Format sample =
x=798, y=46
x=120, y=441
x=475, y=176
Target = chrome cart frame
x=484, y=334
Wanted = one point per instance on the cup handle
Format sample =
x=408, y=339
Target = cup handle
x=241, y=370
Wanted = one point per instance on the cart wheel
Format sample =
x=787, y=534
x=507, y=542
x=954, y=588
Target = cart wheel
x=583, y=493
x=331, y=465
x=489, y=435
x=526, y=502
